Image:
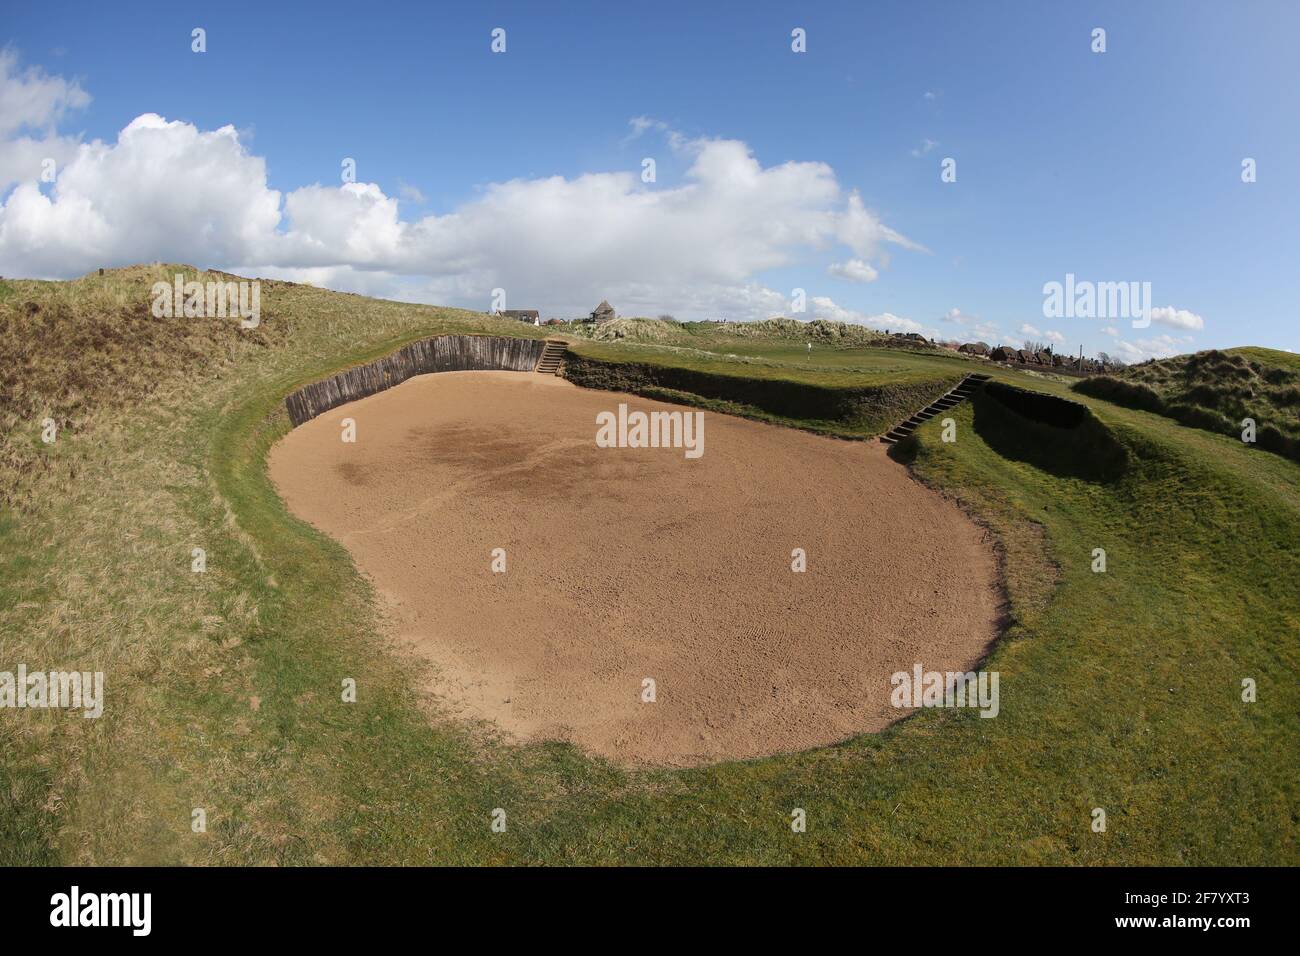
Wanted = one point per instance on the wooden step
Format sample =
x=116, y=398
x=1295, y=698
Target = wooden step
x=552, y=357
x=950, y=399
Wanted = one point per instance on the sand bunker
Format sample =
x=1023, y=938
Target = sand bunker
x=628, y=564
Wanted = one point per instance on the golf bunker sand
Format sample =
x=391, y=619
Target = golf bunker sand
x=628, y=564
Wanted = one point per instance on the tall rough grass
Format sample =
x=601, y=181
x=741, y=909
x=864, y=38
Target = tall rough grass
x=1213, y=390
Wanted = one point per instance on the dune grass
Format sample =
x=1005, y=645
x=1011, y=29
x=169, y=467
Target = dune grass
x=1218, y=391
x=1286, y=360
x=1119, y=690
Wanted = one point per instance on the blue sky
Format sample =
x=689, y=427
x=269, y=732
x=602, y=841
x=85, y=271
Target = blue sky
x=1115, y=166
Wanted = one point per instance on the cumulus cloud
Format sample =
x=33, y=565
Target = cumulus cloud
x=32, y=104
x=979, y=328
x=855, y=270
x=1162, y=346
x=1046, y=335
x=163, y=191
x=410, y=193
x=826, y=308
x=167, y=190
x=1176, y=318
x=32, y=99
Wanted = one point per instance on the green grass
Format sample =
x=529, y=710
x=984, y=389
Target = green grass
x=832, y=368
x=1119, y=690
x=831, y=401
x=1217, y=391
x=889, y=361
x=848, y=392
x=1286, y=360
x=713, y=335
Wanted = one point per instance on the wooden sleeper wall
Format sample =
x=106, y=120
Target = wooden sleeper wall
x=445, y=353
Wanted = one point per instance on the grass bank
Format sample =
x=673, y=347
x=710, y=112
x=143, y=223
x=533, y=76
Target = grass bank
x=1217, y=391
x=832, y=402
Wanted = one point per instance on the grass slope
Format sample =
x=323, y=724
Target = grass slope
x=1216, y=391
x=1119, y=690
x=723, y=336
x=847, y=403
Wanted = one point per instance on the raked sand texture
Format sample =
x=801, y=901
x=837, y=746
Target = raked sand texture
x=627, y=564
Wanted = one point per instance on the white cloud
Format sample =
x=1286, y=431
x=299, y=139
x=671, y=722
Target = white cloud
x=860, y=229
x=1176, y=318
x=167, y=190
x=1111, y=331
x=647, y=124
x=32, y=103
x=410, y=193
x=979, y=328
x=1033, y=332
x=163, y=191
x=32, y=99
x=825, y=308
x=1162, y=346
x=855, y=270
x=925, y=147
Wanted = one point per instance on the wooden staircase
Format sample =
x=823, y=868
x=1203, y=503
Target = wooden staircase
x=552, y=355
x=954, y=396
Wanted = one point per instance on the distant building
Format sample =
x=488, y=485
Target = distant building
x=602, y=313
x=1005, y=354
x=975, y=348
x=530, y=316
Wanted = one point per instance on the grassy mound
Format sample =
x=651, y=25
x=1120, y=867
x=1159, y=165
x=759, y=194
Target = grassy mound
x=724, y=336
x=1216, y=391
x=633, y=330
x=820, y=331
x=68, y=349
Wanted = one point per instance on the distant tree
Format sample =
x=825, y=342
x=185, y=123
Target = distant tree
x=1032, y=346
x=667, y=318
